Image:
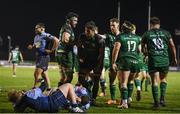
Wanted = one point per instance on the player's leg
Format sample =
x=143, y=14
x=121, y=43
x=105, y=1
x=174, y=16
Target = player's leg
x=37, y=75
x=142, y=80
x=65, y=62
x=68, y=91
x=41, y=66
x=147, y=81
x=95, y=77
x=14, y=69
x=70, y=67
x=82, y=79
x=155, y=78
x=69, y=73
x=112, y=85
x=103, y=83
x=138, y=85
x=124, y=90
x=163, y=85
x=130, y=87
x=63, y=76
x=46, y=77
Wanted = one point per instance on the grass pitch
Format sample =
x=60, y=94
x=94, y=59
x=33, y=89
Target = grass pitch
x=24, y=80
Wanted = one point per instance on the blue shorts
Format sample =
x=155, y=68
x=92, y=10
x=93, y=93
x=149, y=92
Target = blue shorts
x=42, y=62
x=57, y=99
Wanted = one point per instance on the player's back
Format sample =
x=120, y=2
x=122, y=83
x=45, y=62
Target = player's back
x=157, y=41
x=129, y=45
x=15, y=55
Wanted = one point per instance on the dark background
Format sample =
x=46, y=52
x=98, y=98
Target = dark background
x=18, y=17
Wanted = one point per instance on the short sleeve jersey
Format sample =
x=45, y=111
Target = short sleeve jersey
x=15, y=55
x=40, y=42
x=129, y=45
x=157, y=41
x=66, y=47
x=88, y=49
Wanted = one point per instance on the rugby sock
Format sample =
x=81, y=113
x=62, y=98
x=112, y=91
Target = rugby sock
x=124, y=93
x=130, y=89
x=113, y=91
x=95, y=86
x=155, y=93
x=163, y=86
x=102, y=83
x=138, y=84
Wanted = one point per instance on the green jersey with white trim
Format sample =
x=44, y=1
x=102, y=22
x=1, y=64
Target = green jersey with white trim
x=157, y=41
x=15, y=55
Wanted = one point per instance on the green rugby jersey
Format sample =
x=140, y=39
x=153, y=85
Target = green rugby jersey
x=129, y=45
x=157, y=41
x=106, y=56
x=109, y=42
x=15, y=55
x=66, y=47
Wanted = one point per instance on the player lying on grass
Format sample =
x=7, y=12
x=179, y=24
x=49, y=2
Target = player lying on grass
x=35, y=99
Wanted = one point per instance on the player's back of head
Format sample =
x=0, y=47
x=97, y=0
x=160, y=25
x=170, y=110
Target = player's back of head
x=154, y=20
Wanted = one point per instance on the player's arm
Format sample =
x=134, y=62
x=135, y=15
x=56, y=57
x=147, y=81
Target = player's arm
x=101, y=52
x=173, y=50
x=115, y=53
x=55, y=44
x=21, y=57
x=65, y=37
x=139, y=48
x=103, y=36
x=9, y=58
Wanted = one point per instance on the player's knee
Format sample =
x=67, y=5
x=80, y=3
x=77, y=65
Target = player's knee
x=123, y=85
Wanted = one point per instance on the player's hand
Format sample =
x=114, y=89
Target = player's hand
x=175, y=61
x=22, y=61
x=9, y=61
x=114, y=67
x=78, y=99
x=81, y=60
x=30, y=46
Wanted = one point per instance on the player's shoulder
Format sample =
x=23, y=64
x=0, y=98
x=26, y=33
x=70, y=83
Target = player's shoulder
x=164, y=31
x=99, y=38
x=137, y=36
x=66, y=28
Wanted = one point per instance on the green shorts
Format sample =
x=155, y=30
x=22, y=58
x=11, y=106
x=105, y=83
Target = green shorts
x=65, y=59
x=143, y=67
x=163, y=69
x=128, y=64
x=15, y=62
